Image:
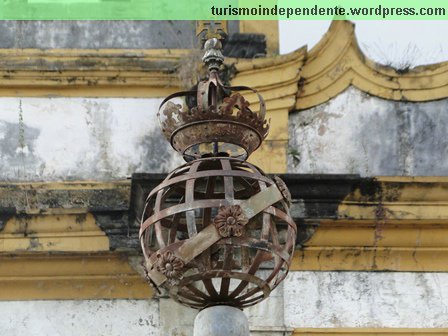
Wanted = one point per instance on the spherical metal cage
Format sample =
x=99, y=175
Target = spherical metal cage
x=217, y=231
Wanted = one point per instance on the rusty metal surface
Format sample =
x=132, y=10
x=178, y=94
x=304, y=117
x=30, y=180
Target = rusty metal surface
x=217, y=230
x=213, y=119
x=221, y=233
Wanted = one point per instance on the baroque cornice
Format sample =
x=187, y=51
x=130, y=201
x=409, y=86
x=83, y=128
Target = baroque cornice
x=298, y=80
x=351, y=223
x=68, y=240
x=376, y=224
x=69, y=276
x=89, y=73
x=274, y=77
x=337, y=62
x=62, y=216
x=73, y=240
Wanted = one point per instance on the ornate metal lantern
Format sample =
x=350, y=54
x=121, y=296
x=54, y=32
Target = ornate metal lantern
x=217, y=230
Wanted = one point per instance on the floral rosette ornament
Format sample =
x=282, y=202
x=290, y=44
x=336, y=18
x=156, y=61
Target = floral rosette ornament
x=169, y=265
x=230, y=221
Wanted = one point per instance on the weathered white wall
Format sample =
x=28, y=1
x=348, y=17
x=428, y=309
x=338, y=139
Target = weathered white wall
x=355, y=133
x=306, y=300
x=366, y=299
x=73, y=318
x=162, y=317
x=81, y=138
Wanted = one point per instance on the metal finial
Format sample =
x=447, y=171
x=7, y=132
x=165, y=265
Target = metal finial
x=213, y=56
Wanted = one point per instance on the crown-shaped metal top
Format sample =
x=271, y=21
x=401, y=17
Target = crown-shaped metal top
x=213, y=120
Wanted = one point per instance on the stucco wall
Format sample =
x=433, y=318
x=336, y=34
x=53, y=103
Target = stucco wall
x=161, y=317
x=305, y=300
x=87, y=318
x=81, y=138
x=366, y=300
x=355, y=133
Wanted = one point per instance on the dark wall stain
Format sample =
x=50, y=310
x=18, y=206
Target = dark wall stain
x=157, y=153
x=245, y=46
x=17, y=156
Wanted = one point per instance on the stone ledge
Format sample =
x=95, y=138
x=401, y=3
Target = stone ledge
x=37, y=276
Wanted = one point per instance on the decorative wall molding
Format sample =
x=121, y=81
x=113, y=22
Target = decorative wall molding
x=337, y=62
x=89, y=73
x=371, y=224
x=77, y=216
x=275, y=78
x=301, y=79
x=368, y=224
x=349, y=223
x=68, y=240
x=44, y=276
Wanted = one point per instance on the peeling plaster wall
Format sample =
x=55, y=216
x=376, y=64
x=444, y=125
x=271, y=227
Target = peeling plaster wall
x=366, y=300
x=81, y=138
x=355, y=133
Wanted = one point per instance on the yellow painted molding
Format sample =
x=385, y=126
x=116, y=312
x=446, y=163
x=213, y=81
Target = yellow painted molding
x=89, y=73
x=275, y=78
x=337, y=62
x=271, y=156
x=73, y=197
x=400, y=225
x=371, y=331
x=35, y=276
x=53, y=242
x=299, y=80
x=65, y=232
x=67, y=185
x=270, y=72
x=57, y=216
x=360, y=258
x=379, y=233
